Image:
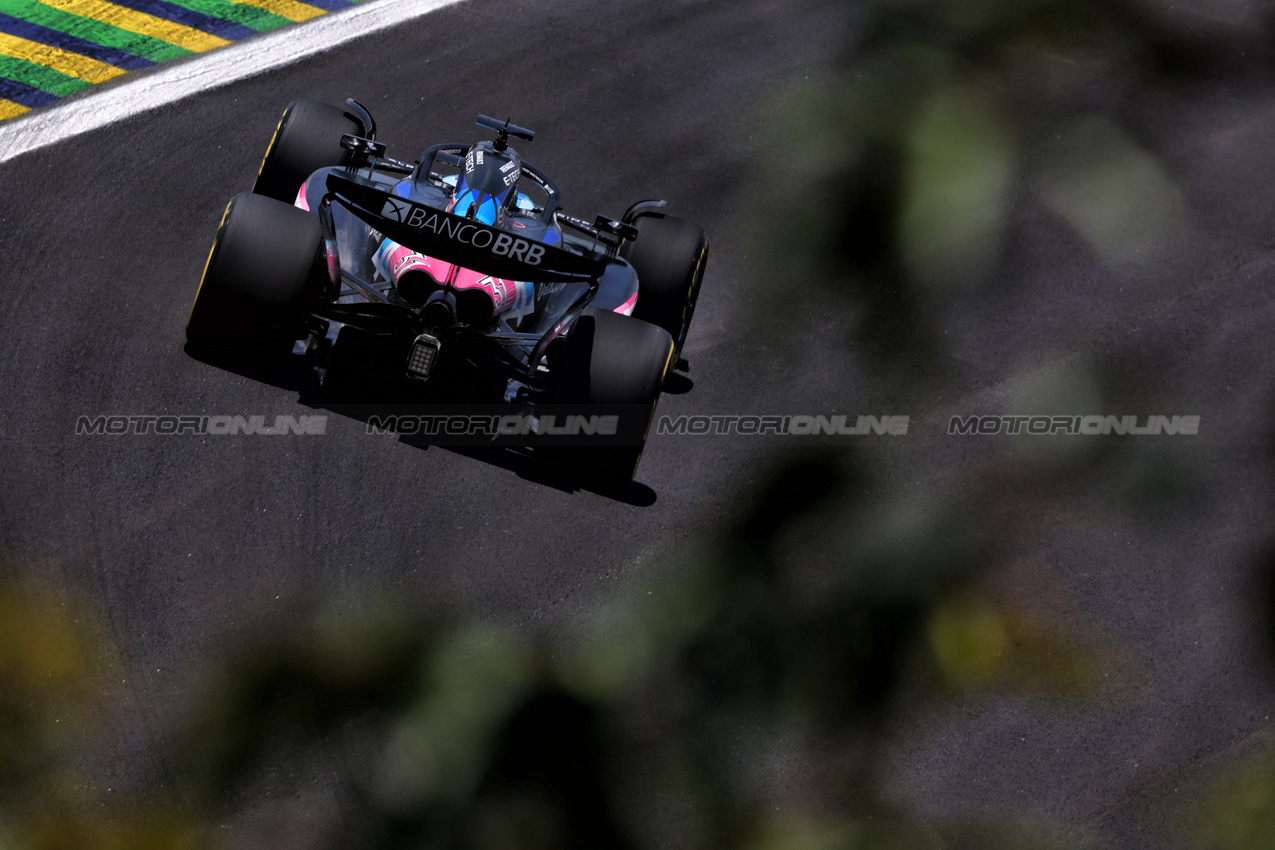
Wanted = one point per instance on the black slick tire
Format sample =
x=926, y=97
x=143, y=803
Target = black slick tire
x=308, y=138
x=262, y=268
x=611, y=359
x=669, y=256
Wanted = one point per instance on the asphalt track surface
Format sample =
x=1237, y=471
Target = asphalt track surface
x=186, y=542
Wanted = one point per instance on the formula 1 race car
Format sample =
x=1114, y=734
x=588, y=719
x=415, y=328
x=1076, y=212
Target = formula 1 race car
x=460, y=263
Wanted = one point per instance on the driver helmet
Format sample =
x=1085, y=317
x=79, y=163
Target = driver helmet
x=488, y=185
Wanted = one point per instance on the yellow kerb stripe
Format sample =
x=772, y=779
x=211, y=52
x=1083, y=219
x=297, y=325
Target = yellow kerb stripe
x=119, y=16
x=9, y=109
x=289, y=9
x=71, y=64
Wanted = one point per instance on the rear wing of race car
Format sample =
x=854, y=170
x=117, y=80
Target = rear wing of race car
x=464, y=242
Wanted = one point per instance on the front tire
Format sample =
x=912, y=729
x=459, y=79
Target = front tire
x=670, y=256
x=611, y=359
x=262, y=267
x=308, y=138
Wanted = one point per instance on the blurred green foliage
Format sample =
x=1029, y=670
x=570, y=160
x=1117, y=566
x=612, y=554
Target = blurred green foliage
x=56, y=675
x=791, y=637
x=1238, y=813
x=452, y=736
x=903, y=170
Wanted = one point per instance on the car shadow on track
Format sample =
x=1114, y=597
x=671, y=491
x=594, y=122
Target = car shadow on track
x=526, y=465
x=678, y=383
x=362, y=401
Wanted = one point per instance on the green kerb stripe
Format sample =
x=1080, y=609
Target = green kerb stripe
x=249, y=16
x=45, y=79
x=91, y=30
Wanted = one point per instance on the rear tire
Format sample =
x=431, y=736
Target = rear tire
x=308, y=138
x=669, y=255
x=613, y=359
x=262, y=267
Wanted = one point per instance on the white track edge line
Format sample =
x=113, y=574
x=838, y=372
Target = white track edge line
x=169, y=83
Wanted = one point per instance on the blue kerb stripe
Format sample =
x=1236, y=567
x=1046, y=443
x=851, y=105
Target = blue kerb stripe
x=328, y=5
x=53, y=38
x=216, y=26
x=24, y=94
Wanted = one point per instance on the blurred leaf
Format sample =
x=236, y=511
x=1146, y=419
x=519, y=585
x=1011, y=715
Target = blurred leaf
x=1238, y=813
x=441, y=745
x=969, y=638
x=133, y=828
x=797, y=832
x=956, y=188
x=1113, y=193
